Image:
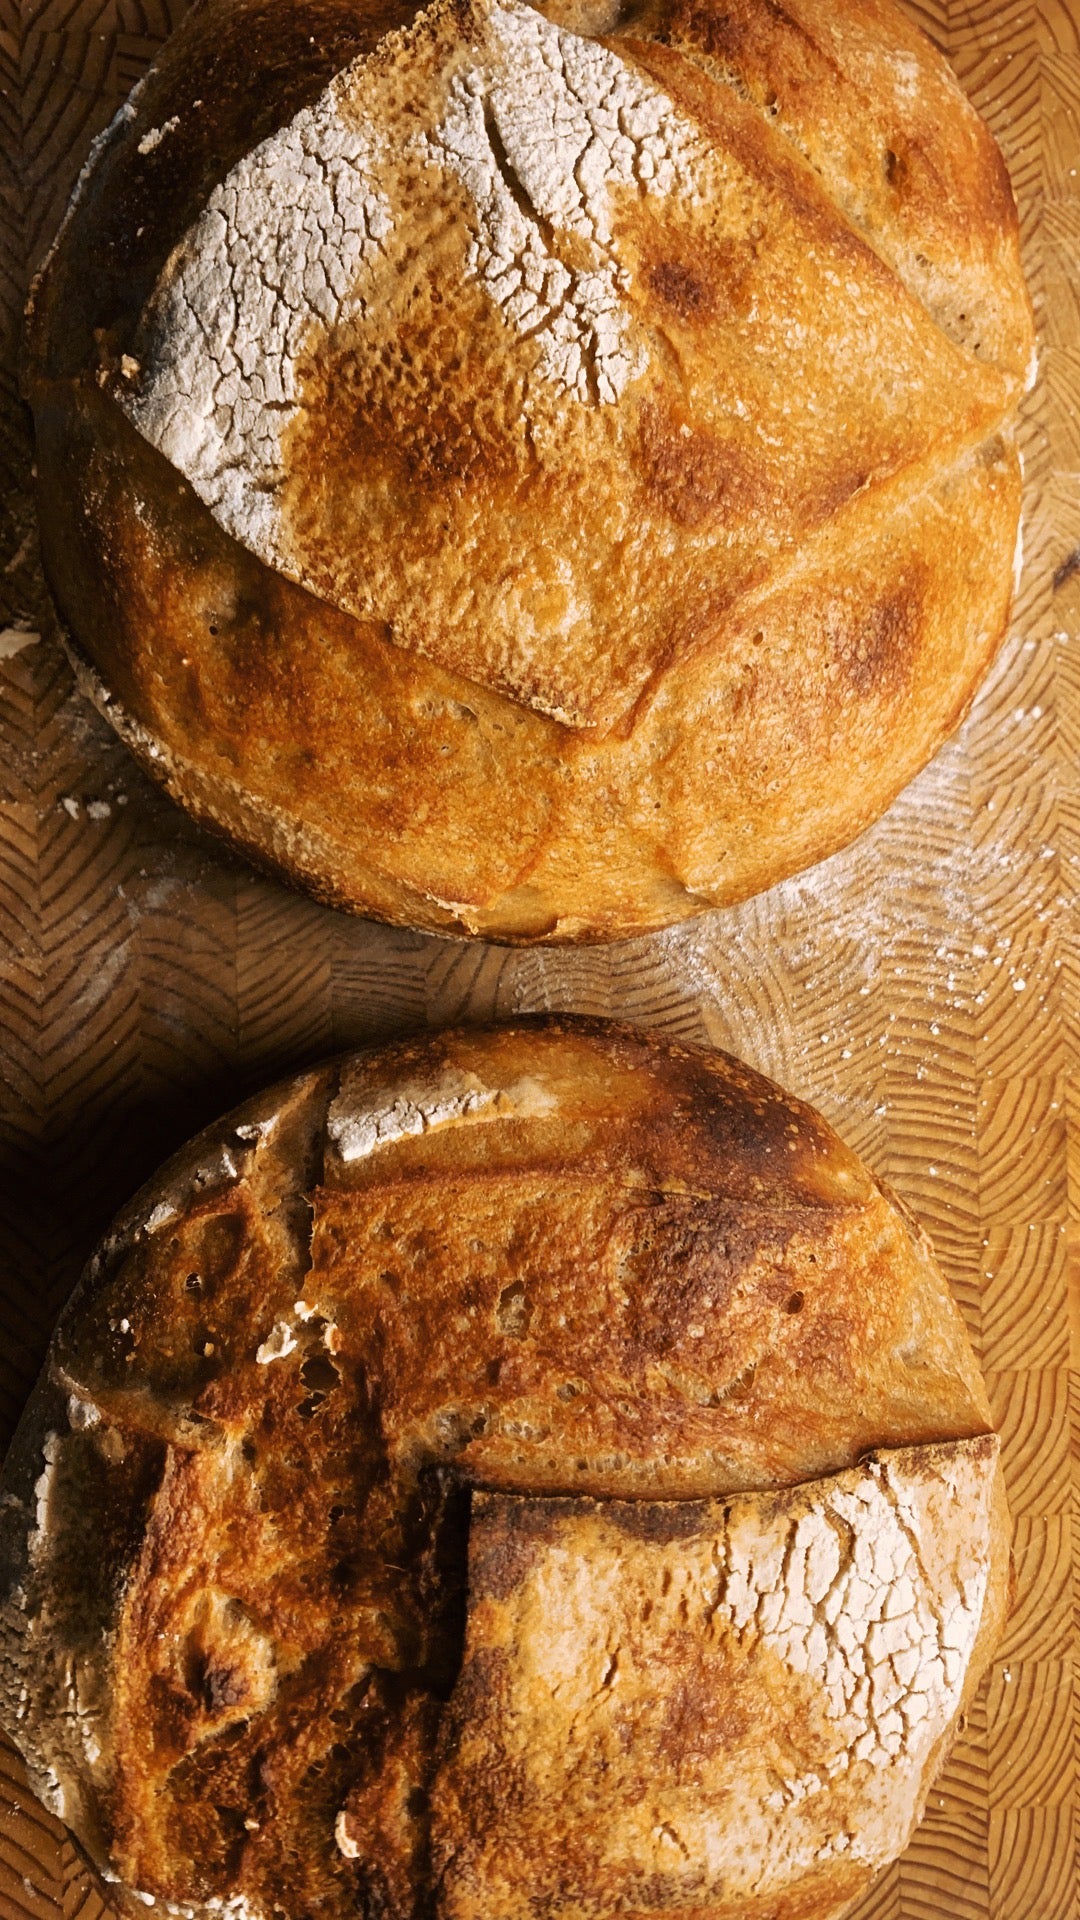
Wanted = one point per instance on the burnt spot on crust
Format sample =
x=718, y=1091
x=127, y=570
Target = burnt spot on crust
x=703, y=1715
x=698, y=281
x=680, y=289
x=875, y=652
x=683, y=1262
x=442, y=440
x=503, y=1548
x=443, y=446
x=722, y=34
x=219, y=1686
x=691, y=475
x=513, y=1529
x=659, y=1521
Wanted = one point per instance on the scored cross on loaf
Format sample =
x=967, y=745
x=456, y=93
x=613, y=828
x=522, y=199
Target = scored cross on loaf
x=536, y=1471
x=536, y=472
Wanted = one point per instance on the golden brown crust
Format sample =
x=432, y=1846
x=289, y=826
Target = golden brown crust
x=729, y=780
x=558, y=1259
x=858, y=91
x=808, y=482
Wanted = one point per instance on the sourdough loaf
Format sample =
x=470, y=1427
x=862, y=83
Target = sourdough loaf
x=535, y=472
x=537, y=1471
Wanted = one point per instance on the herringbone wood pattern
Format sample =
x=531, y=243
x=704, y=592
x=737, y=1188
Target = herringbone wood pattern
x=923, y=988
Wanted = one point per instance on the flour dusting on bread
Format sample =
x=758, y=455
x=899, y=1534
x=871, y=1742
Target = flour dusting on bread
x=750, y=1689
x=540, y=138
x=512, y=1392
x=841, y=1596
x=364, y=1118
x=280, y=249
x=539, y=131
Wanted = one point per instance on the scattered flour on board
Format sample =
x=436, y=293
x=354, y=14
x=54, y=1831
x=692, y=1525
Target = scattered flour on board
x=15, y=638
x=890, y=951
x=157, y=134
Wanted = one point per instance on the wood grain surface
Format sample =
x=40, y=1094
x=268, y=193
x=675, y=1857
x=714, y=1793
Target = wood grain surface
x=922, y=988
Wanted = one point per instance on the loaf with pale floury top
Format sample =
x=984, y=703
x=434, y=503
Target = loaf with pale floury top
x=535, y=472
x=537, y=1472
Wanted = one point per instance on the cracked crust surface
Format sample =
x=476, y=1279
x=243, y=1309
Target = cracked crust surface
x=733, y=1707
x=637, y=1306
x=530, y=407
x=286, y=240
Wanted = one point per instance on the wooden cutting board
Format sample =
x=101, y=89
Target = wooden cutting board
x=923, y=988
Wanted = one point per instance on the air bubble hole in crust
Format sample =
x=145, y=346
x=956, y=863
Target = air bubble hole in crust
x=514, y=1311
x=320, y=1374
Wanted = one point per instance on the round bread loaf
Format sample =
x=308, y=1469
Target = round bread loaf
x=535, y=472
x=527, y=1472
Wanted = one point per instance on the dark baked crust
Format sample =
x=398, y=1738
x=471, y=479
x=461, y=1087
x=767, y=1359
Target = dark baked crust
x=774, y=618
x=560, y=1258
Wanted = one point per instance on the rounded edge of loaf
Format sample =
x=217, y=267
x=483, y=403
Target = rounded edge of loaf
x=410, y=1126
x=401, y=827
